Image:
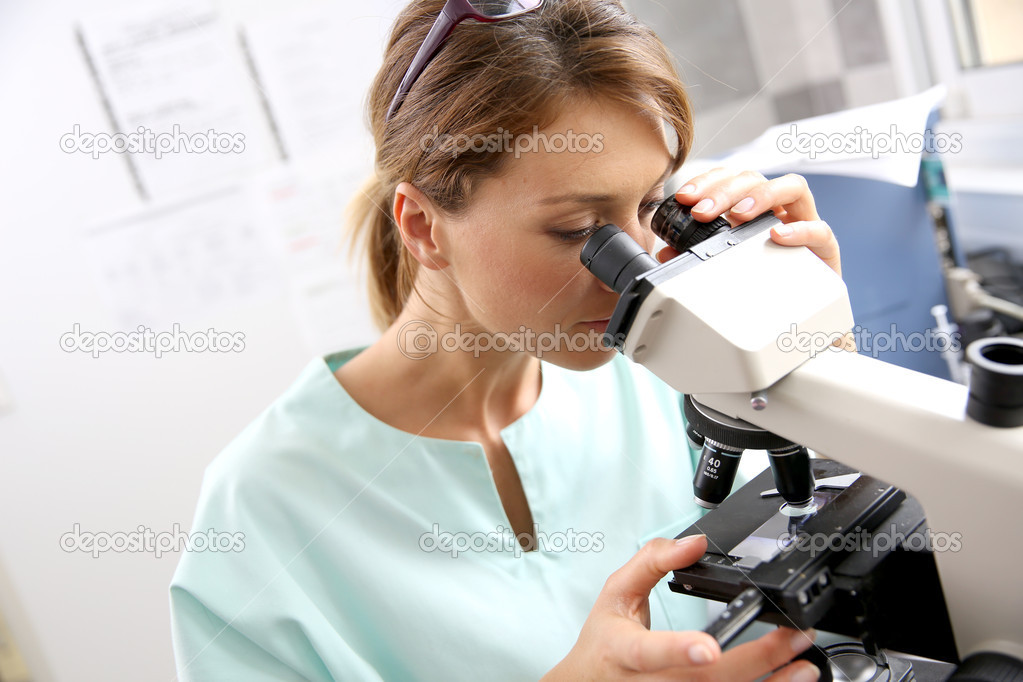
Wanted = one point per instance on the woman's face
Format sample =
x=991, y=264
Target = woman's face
x=514, y=254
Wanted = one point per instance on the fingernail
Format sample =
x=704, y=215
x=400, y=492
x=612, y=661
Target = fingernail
x=699, y=654
x=689, y=539
x=704, y=205
x=806, y=673
x=801, y=641
x=783, y=230
x=744, y=205
x=686, y=189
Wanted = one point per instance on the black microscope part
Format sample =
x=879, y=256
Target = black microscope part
x=715, y=473
x=674, y=223
x=843, y=591
x=723, y=444
x=996, y=382
x=736, y=617
x=615, y=257
x=793, y=475
x=709, y=424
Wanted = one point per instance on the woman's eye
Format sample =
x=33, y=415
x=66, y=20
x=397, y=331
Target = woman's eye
x=645, y=209
x=576, y=235
x=650, y=206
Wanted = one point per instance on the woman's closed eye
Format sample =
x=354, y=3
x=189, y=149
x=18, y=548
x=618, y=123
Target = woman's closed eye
x=576, y=235
x=645, y=210
x=650, y=206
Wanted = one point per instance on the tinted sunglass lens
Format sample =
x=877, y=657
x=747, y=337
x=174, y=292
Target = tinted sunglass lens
x=504, y=8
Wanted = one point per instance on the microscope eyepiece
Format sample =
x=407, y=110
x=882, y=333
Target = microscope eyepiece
x=615, y=258
x=674, y=223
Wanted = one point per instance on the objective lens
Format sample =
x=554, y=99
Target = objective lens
x=792, y=474
x=718, y=466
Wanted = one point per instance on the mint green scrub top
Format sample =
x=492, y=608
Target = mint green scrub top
x=370, y=553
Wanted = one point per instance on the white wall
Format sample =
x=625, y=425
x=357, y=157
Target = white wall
x=119, y=441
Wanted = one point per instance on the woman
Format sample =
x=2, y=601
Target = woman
x=485, y=492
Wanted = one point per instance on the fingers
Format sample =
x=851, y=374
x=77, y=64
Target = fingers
x=666, y=254
x=753, y=659
x=816, y=235
x=643, y=571
x=647, y=651
x=803, y=671
x=741, y=196
x=716, y=191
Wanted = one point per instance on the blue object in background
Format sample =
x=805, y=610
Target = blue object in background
x=890, y=264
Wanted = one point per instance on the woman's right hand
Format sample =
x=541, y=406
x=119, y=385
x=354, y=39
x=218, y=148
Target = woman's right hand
x=616, y=641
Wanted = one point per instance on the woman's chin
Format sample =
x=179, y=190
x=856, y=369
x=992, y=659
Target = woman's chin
x=579, y=360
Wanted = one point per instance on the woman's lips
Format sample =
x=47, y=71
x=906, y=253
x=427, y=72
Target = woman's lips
x=599, y=326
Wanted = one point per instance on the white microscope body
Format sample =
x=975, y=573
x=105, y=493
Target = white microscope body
x=749, y=326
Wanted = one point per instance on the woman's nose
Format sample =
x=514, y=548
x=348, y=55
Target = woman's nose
x=604, y=286
x=642, y=235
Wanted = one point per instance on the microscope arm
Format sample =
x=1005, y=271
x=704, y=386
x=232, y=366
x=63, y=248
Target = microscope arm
x=911, y=429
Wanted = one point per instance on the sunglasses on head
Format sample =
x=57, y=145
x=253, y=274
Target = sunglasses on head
x=453, y=13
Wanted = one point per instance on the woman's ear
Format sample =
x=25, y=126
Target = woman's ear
x=419, y=225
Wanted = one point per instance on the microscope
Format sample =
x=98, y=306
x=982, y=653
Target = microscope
x=904, y=531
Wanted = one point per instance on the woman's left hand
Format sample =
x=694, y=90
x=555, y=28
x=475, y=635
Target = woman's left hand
x=742, y=196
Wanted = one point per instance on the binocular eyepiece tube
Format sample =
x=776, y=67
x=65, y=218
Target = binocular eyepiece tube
x=616, y=259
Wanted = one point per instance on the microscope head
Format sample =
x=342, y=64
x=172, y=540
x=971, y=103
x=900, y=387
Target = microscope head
x=718, y=341
x=720, y=317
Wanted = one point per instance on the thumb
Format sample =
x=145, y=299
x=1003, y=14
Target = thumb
x=657, y=557
x=666, y=254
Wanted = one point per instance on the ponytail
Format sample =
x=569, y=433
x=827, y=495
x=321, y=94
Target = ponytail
x=391, y=268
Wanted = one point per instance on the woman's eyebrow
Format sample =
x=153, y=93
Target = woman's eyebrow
x=578, y=198
x=581, y=198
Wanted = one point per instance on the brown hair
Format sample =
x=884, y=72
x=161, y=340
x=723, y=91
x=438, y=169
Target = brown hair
x=510, y=75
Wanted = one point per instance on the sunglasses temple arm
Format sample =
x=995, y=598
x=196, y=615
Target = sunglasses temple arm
x=442, y=28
